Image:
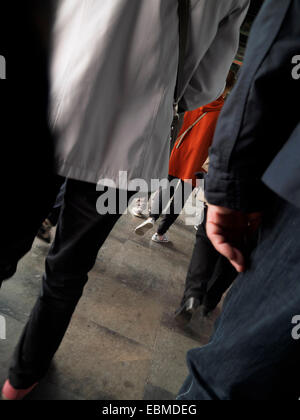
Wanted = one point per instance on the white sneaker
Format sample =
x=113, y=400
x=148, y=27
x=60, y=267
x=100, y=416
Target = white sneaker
x=144, y=227
x=161, y=239
x=139, y=210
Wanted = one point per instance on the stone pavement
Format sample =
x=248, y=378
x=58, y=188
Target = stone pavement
x=123, y=343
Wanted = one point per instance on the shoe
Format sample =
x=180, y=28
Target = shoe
x=209, y=307
x=45, y=231
x=184, y=314
x=144, y=227
x=161, y=239
x=9, y=393
x=139, y=210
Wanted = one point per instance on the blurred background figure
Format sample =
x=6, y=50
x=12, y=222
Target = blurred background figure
x=210, y=274
x=188, y=156
x=28, y=184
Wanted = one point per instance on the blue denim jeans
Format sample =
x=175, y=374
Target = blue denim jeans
x=252, y=355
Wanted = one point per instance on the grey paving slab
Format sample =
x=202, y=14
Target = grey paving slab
x=99, y=363
x=170, y=347
x=129, y=313
x=123, y=342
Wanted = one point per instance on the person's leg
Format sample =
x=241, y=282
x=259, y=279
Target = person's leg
x=180, y=195
x=53, y=216
x=202, y=266
x=160, y=200
x=80, y=234
x=252, y=354
x=202, y=269
x=17, y=237
x=223, y=277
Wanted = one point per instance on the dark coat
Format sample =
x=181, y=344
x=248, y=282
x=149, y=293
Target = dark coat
x=257, y=141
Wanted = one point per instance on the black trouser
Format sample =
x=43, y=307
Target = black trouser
x=210, y=274
x=80, y=234
x=179, y=195
x=53, y=216
x=18, y=233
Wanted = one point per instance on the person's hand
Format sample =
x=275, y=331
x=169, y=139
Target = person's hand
x=229, y=231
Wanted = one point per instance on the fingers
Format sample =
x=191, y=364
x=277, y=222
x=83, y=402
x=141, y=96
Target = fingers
x=235, y=256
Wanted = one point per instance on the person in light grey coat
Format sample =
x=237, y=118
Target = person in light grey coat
x=114, y=72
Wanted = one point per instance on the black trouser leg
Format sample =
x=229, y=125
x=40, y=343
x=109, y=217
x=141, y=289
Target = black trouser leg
x=53, y=216
x=161, y=199
x=209, y=274
x=181, y=195
x=18, y=232
x=80, y=234
x=223, y=277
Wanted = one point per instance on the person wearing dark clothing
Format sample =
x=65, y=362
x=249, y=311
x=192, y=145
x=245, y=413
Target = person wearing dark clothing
x=188, y=156
x=80, y=229
x=209, y=276
x=167, y=202
x=254, y=180
x=179, y=194
x=28, y=185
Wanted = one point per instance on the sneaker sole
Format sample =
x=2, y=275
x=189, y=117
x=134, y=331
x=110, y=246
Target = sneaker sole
x=140, y=216
x=141, y=231
x=160, y=242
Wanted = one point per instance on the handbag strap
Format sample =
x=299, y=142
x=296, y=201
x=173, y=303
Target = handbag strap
x=184, y=17
x=181, y=138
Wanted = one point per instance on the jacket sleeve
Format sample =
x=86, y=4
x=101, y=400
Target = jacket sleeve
x=261, y=114
x=215, y=39
x=287, y=184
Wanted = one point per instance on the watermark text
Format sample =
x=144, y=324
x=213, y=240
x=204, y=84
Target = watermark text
x=296, y=68
x=2, y=67
x=2, y=328
x=296, y=329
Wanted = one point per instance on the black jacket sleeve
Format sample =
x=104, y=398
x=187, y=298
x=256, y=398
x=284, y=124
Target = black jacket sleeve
x=261, y=114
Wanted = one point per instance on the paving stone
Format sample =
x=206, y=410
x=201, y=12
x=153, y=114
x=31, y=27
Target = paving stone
x=123, y=342
x=172, y=347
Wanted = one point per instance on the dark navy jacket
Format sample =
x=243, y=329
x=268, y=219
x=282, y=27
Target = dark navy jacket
x=257, y=141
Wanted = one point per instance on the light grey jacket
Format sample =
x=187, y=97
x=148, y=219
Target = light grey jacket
x=114, y=74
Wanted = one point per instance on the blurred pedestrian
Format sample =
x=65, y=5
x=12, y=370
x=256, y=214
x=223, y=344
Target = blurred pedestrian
x=254, y=181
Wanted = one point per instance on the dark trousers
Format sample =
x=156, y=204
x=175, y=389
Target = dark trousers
x=18, y=232
x=80, y=234
x=53, y=216
x=171, y=214
x=253, y=354
x=209, y=274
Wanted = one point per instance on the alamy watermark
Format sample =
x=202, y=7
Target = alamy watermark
x=2, y=67
x=296, y=68
x=171, y=197
x=2, y=328
x=296, y=329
